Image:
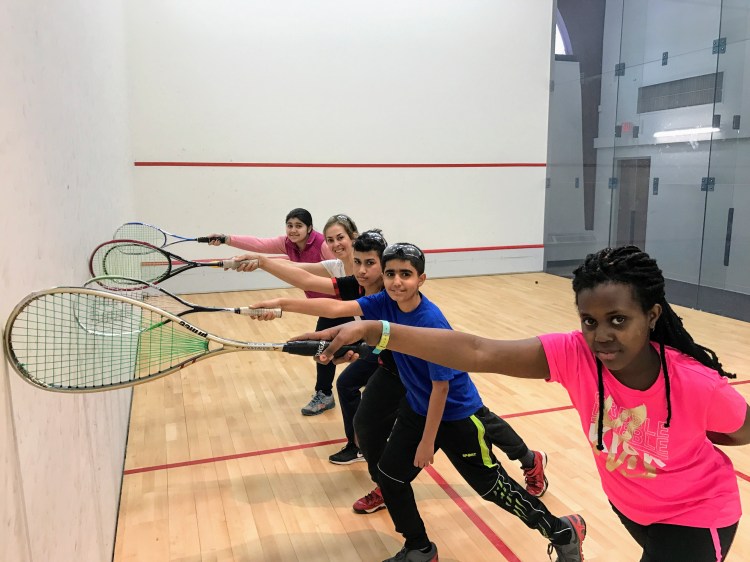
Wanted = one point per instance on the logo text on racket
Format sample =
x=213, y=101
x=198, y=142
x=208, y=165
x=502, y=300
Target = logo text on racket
x=193, y=329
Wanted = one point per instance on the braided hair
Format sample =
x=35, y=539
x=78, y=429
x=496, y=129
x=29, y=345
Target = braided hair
x=629, y=265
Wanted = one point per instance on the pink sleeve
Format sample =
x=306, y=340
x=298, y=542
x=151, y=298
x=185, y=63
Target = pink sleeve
x=326, y=253
x=274, y=245
x=563, y=356
x=726, y=410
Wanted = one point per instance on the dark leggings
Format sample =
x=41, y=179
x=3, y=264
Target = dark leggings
x=325, y=373
x=466, y=443
x=348, y=388
x=676, y=543
x=375, y=415
x=376, y=412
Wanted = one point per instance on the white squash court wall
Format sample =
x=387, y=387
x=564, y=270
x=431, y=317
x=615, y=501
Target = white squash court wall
x=87, y=88
x=65, y=179
x=339, y=82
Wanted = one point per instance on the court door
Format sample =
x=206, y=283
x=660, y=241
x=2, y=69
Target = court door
x=632, y=200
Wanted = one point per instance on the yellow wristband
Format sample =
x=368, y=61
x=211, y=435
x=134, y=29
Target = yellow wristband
x=384, y=337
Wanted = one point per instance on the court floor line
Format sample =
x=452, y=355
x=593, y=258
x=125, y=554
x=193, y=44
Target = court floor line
x=473, y=516
x=233, y=456
x=330, y=442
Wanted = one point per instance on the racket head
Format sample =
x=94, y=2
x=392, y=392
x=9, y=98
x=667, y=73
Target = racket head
x=131, y=259
x=142, y=232
x=73, y=339
x=143, y=291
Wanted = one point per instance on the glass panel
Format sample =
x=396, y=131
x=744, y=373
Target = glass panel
x=725, y=264
x=573, y=128
x=666, y=96
x=654, y=154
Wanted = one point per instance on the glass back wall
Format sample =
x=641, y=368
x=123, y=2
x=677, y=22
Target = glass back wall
x=649, y=143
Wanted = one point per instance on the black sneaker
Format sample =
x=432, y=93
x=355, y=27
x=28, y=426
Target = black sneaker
x=349, y=454
x=405, y=555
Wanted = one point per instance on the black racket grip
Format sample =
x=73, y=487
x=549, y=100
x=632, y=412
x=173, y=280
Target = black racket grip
x=207, y=239
x=313, y=348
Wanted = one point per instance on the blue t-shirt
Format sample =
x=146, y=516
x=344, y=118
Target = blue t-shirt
x=418, y=374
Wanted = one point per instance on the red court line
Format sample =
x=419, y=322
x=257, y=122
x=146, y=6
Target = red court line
x=483, y=248
x=735, y=383
x=489, y=534
x=436, y=251
x=234, y=456
x=496, y=541
x=535, y=412
x=297, y=447
x=331, y=165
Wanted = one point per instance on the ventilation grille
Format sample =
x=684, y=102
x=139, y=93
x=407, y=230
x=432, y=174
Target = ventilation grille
x=697, y=90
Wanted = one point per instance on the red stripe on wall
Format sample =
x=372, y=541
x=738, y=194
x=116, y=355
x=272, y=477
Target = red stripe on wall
x=496, y=541
x=436, y=251
x=321, y=165
x=483, y=248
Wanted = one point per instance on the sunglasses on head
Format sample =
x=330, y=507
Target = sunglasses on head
x=372, y=235
x=402, y=250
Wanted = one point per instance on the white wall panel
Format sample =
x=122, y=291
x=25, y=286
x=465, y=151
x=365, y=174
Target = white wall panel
x=66, y=168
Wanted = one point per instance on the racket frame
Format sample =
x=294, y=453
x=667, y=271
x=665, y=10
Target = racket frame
x=227, y=345
x=165, y=233
x=170, y=257
x=139, y=285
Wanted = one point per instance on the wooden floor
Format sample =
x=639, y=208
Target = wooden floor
x=221, y=465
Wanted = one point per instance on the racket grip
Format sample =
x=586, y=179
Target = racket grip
x=207, y=239
x=313, y=348
x=234, y=264
x=257, y=311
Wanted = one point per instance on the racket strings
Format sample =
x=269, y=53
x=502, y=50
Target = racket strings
x=134, y=289
x=130, y=260
x=81, y=340
x=142, y=233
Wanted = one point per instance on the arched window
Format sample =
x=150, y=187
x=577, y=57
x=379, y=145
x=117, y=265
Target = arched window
x=562, y=39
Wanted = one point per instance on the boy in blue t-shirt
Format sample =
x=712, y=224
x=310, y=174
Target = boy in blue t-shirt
x=442, y=409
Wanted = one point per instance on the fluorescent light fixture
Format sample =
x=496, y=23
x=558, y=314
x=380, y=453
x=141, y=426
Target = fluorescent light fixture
x=683, y=132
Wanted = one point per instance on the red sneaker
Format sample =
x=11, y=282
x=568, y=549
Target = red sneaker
x=370, y=503
x=573, y=551
x=536, y=481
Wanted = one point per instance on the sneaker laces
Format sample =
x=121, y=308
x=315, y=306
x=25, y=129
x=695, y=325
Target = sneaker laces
x=317, y=398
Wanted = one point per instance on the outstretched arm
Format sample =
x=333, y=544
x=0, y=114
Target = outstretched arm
x=287, y=272
x=329, y=308
x=457, y=350
x=314, y=268
x=252, y=261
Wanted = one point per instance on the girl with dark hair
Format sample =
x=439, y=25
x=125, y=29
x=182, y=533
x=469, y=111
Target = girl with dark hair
x=652, y=402
x=329, y=255
x=301, y=243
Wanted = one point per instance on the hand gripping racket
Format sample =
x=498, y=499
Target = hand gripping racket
x=155, y=236
x=163, y=299
x=141, y=261
x=73, y=339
